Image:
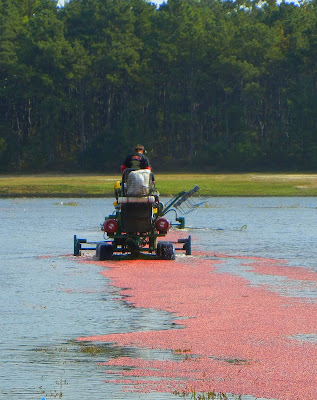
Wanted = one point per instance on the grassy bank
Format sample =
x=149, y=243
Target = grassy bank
x=250, y=184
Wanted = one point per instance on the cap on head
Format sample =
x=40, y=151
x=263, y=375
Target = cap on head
x=138, y=147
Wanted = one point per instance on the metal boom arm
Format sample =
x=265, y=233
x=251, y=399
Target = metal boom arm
x=179, y=199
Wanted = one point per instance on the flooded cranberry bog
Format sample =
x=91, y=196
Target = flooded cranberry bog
x=235, y=320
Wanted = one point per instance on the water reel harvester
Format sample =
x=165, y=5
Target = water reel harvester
x=140, y=219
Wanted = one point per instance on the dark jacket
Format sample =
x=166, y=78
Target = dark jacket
x=136, y=161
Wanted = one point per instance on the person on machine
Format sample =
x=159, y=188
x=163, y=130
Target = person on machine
x=137, y=160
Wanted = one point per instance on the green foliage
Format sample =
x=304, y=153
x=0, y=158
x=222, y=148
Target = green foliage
x=205, y=85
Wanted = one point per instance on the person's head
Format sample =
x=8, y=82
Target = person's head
x=139, y=148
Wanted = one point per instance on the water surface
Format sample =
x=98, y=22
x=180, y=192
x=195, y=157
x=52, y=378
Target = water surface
x=48, y=298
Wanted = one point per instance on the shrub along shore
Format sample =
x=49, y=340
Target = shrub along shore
x=85, y=185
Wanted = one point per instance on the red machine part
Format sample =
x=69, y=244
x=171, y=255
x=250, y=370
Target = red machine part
x=110, y=226
x=162, y=225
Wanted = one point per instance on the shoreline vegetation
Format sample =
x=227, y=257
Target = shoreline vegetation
x=210, y=85
x=211, y=185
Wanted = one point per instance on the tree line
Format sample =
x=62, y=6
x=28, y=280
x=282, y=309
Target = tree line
x=205, y=85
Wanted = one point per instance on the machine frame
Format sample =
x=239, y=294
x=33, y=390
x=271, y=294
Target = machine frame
x=138, y=223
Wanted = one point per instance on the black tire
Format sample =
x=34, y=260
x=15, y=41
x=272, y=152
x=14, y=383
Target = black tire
x=165, y=251
x=104, y=251
x=159, y=249
x=188, y=246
